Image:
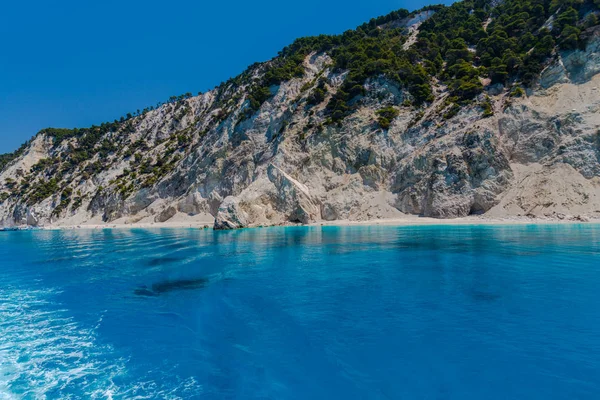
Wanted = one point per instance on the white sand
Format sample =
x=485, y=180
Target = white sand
x=404, y=221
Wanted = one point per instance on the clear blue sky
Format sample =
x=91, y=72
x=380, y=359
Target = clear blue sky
x=77, y=63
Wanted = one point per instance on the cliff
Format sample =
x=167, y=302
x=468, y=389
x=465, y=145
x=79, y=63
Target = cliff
x=305, y=147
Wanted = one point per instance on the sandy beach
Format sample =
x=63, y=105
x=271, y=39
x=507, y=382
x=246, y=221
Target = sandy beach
x=204, y=223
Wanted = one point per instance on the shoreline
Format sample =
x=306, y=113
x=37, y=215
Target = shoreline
x=426, y=221
x=403, y=222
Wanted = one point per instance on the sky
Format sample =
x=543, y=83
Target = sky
x=72, y=63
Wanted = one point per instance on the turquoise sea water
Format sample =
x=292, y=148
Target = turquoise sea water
x=505, y=312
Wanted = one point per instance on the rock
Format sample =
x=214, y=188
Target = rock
x=582, y=65
x=166, y=214
x=373, y=176
x=577, y=66
x=580, y=218
x=329, y=212
x=495, y=90
x=230, y=215
x=293, y=197
x=33, y=218
x=553, y=75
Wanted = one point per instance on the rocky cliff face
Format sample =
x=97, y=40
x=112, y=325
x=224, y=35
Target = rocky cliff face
x=206, y=157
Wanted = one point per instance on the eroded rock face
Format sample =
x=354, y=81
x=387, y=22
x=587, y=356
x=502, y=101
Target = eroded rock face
x=166, y=214
x=554, y=191
x=293, y=198
x=454, y=178
x=230, y=215
x=575, y=66
x=583, y=65
x=284, y=164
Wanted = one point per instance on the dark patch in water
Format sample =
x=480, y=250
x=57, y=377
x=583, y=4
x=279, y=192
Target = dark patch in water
x=484, y=296
x=144, y=291
x=163, y=260
x=181, y=284
x=170, y=286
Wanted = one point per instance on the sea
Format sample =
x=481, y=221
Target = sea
x=363, y=312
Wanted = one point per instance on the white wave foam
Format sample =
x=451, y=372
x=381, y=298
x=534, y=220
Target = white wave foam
x=45, y=354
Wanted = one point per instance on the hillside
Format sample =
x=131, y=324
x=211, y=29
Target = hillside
x=483, y=107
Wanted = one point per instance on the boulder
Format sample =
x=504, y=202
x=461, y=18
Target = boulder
x=230, y=215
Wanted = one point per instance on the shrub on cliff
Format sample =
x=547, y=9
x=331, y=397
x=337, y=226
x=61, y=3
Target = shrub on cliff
x=385, y=116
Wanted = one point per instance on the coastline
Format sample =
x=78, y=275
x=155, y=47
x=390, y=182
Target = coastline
x=471, y=220
x=403, y=221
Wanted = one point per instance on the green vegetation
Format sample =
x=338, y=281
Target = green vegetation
x=44, y=163
x=488, y=110
x=41, y=190
x=77, y=201
x=366, y=52
x=458, y=45
x=385, y=116
x=258, y=96
x=517, y=92
x=65, y=200
x=452, y=111
x=518, y=41
x=506, y=43
x=318, y=95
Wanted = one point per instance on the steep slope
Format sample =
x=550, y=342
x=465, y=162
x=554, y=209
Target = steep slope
x=480, y=107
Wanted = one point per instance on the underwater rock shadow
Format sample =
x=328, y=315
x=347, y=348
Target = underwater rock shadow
x=170, y=286
x=153, y=262
x=481, y=296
